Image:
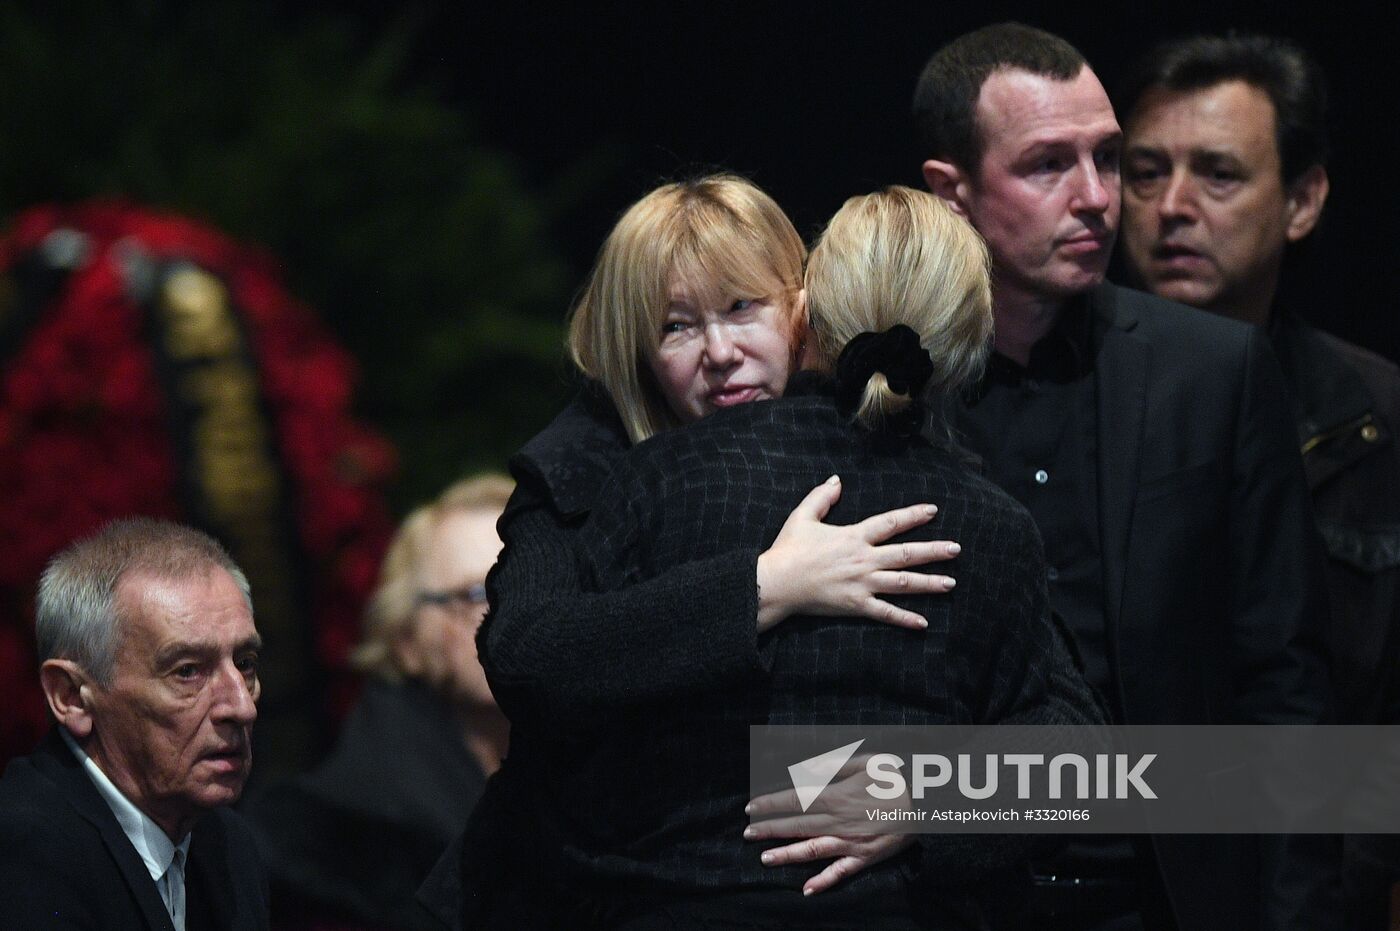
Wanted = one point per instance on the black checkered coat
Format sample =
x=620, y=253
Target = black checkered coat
x=658, y=796
x=557, y=655
x=561, y=659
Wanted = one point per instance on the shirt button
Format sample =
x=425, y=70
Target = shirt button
x=1041, y=476
x=1052, y=573
x=1369, y=433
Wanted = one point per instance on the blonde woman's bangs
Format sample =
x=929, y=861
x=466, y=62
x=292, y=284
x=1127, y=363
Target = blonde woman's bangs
x=719, y=235
x=714, y=267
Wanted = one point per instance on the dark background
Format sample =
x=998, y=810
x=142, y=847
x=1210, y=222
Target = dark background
x=453, y=168
x=434, y=179
x=811, y=99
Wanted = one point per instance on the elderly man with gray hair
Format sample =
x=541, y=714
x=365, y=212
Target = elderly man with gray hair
x=149, y=665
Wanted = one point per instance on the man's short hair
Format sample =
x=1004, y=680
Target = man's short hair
x=76, y=611
x=1290, y=77
x=945, y=100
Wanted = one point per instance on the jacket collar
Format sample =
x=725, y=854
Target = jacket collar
x=1327, y=393
x=54, y=761
x=151, y=842
x=573, y=456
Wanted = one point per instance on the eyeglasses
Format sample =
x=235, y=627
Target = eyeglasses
x=457, y=599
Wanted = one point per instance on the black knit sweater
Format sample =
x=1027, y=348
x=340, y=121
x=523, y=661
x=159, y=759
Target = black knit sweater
x=624, y=648
x=654, y=795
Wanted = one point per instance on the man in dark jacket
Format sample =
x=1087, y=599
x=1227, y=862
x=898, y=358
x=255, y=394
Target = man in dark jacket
x=1225, y=172
x=119, y=819
x=1152, y=445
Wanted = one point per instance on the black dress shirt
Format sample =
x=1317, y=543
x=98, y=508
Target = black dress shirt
x=1035, y=429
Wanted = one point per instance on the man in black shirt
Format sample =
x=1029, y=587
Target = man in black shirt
x=1153, y=446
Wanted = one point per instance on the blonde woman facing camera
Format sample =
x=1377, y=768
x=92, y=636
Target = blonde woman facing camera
x=695, y=305
x=901, y=315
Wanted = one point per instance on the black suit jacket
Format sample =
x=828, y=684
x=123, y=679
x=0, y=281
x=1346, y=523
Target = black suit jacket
x=65, y=862
x=1215, y=603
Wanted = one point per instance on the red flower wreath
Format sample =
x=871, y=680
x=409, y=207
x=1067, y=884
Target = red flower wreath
x=85, y=425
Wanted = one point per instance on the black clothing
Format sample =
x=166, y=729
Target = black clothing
x=1346, y=403
x=560, y=659
x=562, y=662
x=990, y=654
x=555, y=654
x=65, y=861
x=1213, y=597
x=1035, y=427
x=354, y=838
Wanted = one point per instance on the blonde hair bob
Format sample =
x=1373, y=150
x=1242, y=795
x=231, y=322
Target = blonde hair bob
x=720, y=233
x=392, y=607
x=901, y=256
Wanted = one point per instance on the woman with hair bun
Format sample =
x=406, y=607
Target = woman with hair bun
x=694, y=306
x=654, y=831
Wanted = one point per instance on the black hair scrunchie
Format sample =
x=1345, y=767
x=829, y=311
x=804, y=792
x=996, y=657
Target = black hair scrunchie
x=897, y=355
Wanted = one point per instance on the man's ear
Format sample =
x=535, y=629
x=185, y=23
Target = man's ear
x=1306, y=197
x=69, y=692
x=948, y=182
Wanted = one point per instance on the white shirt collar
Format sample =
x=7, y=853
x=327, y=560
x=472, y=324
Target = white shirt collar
x=152, y=843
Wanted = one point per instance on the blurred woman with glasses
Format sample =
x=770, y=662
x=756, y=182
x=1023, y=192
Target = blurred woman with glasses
x=352, y=840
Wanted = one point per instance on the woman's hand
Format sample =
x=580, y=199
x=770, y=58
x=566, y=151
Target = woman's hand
x=817, y=568
x=841, y=807
x=852, y=854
